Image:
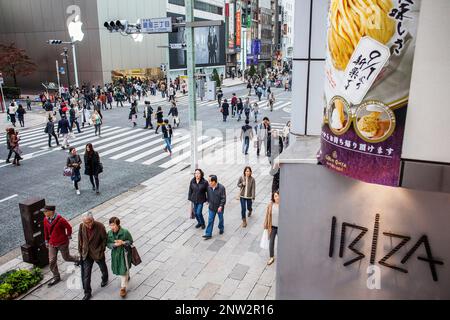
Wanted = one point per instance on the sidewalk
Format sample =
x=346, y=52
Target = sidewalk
x=31, y=119
x=228, y=82
x=176, y=262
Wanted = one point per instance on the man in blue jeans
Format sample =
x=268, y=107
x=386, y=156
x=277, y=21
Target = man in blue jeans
x=216, y=201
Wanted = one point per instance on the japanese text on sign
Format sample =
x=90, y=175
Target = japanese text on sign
x=156, y=25
x=365, y=148
x=366, y=63
x=400, y=14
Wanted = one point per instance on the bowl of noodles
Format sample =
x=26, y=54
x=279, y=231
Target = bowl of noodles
x=374, y=121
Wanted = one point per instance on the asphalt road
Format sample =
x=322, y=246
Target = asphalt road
x=129, y=155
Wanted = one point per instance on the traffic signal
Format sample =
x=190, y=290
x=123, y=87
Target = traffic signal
x=119, y=25
x=54, y=41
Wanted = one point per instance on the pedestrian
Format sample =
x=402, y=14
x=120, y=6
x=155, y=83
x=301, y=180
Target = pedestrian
x=240, y=109
x=12, y=109
x=216, y=205
x=255, y=110
x=234, y=102
x=159, y=118
x=198, y=196
x=247, y=109
x=219, y=96
x=269, y=91
x=50, y=131
x=247, y=185
x=92, y=166
x=109, y=99
x=57, y=235
x=259, y=92
x=74, y=162
x=119, y=98
x=148, y=111
x=167, y=136
x=28, y=102
x=20, y=115
x=97, y=122
x=249, y=88
x=271, y=223
x=286, y=133
x=133, y=114
x=103, y=100
x=92, y=240
x=271, y=101
x=120, y=241
x=246, y=136
x=9, y=134
x=171, y=93
x=276, y=145
x=15, y=147
x=174, y=113
x=86, y=116
x=48, y=107
x=225, y=110
x=73, y=117
x=98, y=108
x=64, y=129
x=263, y=136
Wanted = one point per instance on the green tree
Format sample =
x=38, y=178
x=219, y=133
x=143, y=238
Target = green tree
x=216, y=78
x=15, y=62
x=262, y=71
x=252, y=71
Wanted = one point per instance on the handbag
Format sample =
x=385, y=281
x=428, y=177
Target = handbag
x=135, y=258
x=264, y=243
x=68, y=172
x=100, y=167
x=191, y=211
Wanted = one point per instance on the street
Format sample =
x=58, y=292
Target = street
x=129, y=155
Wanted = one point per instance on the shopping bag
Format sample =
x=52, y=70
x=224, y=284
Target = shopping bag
x=68, y=171
x=264, y=243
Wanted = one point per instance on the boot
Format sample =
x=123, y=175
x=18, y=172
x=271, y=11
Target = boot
x=250, y=213
x=244, y=223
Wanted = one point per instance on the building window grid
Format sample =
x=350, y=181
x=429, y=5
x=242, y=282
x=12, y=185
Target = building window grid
x=202, y=6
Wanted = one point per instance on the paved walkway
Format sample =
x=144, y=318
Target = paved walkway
x=177, y=262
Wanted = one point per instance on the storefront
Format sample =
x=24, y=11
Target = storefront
x=367, y=217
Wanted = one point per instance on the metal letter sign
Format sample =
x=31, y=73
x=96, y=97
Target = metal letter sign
x=156, y=25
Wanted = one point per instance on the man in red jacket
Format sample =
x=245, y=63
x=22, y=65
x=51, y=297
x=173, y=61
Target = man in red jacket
x=57, y=233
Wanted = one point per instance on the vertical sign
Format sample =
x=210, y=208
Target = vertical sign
x=238, y=26
x=370, y=50
x=231, y=24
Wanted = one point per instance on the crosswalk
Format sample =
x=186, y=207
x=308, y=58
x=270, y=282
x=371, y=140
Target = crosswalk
x=132, y=145
x=263, y=104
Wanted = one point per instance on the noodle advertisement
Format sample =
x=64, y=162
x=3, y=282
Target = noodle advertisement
x=370, y=53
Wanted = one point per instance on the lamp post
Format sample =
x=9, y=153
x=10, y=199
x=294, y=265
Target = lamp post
x=66, y=61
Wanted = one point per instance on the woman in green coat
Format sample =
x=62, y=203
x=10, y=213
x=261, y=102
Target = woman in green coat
x=118, y=239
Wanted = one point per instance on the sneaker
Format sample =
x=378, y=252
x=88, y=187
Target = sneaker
x=78, y=192
x=198, y=226
x=123, y=292
x=203, y=227
x=97, y=192
x=221, y=232
x=271, y=260
x=207, y=237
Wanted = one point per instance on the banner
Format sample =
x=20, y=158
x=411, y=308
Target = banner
x=238, y=28
x=231, y=24
x=370, y=53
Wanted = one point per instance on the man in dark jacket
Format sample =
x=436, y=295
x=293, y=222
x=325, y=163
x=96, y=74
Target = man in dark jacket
x=57, y=233
x=50, y=130
x=148, y=111
x=225, y=110
x=216, y=201
x=64, y=129
x=92, y=239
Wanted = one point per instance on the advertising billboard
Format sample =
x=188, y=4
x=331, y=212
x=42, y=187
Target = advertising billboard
x=209, y=47
x=238, y=25
x=370, y=53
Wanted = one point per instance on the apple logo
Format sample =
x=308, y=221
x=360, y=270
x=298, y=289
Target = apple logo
x=74, y=23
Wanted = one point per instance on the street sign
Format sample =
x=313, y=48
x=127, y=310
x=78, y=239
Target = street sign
x=156, y=25
x=62, y=70
x=177, y=46
x=163, y=67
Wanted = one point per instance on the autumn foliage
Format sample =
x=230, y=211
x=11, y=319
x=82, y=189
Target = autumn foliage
x=15, y=62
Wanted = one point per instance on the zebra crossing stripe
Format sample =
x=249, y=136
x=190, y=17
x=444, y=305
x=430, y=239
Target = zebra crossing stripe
x=92, y=139
x=114, y=138
x=177, y=149
x=128, y=152
x=151, y=151
x=42, y=137
x=282, y=106
x=147, y=138
x=180, y=158
x=136, y=135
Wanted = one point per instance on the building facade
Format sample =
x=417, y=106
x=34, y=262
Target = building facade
x=287, y=44
x=101, y=55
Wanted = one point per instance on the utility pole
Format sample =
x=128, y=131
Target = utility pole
x=75, y=67
x=66, y=61
x=191, y=83
x=57, y=74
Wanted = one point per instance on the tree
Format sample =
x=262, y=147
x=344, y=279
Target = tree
x=15, y=62
x=263, y=71
x=252, y=71
x=216, y=78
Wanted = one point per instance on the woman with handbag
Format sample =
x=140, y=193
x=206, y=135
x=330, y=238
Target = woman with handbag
x=247, y=184
x=14, y=144
x=74, y=163
x=120, y=241
x=271, y=223
x=92, y=166
x=133, y=114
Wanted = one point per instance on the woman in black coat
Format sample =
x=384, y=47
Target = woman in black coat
x=197, y=195
x=92, y=166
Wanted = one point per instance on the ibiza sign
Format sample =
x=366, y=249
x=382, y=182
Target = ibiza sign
x=74, y=23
